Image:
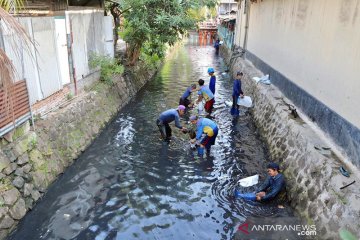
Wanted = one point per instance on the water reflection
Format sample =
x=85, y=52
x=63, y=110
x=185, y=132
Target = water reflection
x=130, y=185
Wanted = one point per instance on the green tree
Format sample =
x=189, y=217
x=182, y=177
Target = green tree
x=198, y=14
x=113, y=8
x=151, y=24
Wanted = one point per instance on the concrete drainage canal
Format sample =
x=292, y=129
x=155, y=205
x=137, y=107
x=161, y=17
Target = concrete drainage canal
x=130, y=185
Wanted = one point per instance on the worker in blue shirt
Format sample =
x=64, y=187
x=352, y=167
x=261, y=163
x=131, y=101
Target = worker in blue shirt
x=206, y=133
x=167, y=117
x=273, y=186
x=184, y=100
x=217, y=46
x=237, y=92
x=206, y=94
x=212, y=81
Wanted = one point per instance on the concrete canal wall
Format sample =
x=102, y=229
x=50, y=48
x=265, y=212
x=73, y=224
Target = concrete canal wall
x=30, y=160
x=311, y=164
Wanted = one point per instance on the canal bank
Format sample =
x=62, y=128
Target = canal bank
x=310, y=160
x=30, y=160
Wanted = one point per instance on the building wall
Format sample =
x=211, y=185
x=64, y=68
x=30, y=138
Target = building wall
x=311, y=51
x=240, y=24
x=88, y=36
x=226, y=6
x=47, y=66
x=315, y=44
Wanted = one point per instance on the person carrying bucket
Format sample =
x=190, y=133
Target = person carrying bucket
x=207, y=95
x=206, y=133
x=167, y=117
x=237, y=92
x=212, y=81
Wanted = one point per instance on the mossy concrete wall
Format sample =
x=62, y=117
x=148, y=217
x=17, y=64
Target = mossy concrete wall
x=310, y=166
x=32, y=159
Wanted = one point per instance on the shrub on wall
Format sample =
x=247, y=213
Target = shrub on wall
x=108, y=67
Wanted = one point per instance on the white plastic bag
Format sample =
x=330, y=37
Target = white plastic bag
x=200, y=108
x=192, y=143
x=264, y=79
x=228, y=103
x=249, y=181
x=245, y=101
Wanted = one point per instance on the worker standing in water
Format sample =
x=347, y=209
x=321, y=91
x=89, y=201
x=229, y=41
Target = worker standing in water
x=184, y=100
x=206, y=94
x=237, y=92
x=212, y=81
x=167, y=117
x=217, y=46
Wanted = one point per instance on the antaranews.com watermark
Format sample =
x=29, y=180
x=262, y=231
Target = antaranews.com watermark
x=275, y=228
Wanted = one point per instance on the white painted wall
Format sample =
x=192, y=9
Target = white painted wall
x=62, y=50
x=48, y=70
x=88, y=36
x=78, y=33
x=46, y=55
x=39, y=67
x=109, y=36
x=315, y=44
x=226, y=6
x=31, y=69
x=240, y=24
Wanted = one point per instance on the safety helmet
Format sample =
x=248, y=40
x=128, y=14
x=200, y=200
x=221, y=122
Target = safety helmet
x=211, y=70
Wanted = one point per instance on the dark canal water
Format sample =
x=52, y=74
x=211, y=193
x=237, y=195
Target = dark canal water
x=130, y=185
